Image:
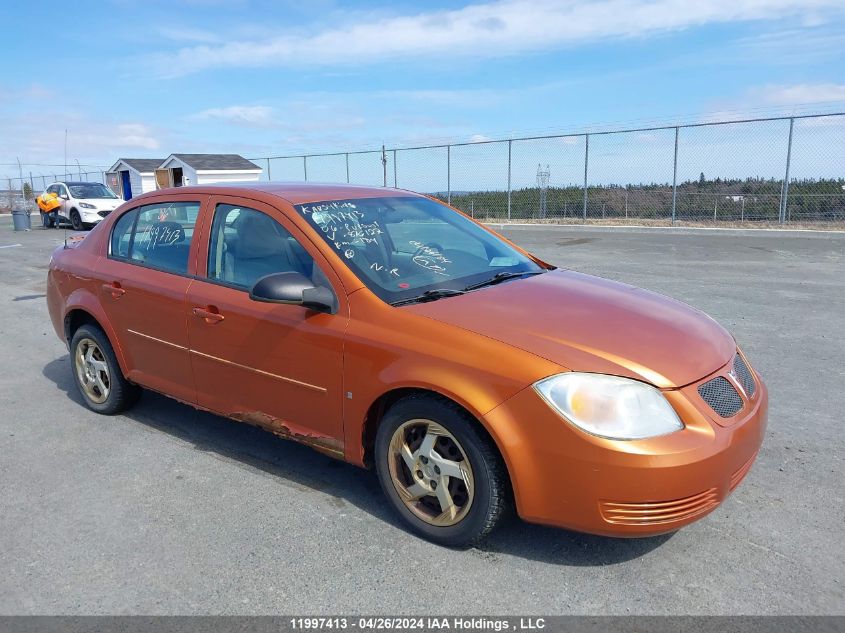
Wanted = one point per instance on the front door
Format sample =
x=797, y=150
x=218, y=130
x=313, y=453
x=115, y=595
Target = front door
x=144, y=285
x=276, y=366
x=64, y=197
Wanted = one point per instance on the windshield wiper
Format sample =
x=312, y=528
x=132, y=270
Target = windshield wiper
x=429, y=295
x=500, y=277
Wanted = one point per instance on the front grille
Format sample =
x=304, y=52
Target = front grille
x=721, y=396
x=103, y=214
x=743, y=375
x=657, y=512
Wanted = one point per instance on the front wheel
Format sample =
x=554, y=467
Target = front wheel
x=76, y=220
x=440, y=471
x=97, y=373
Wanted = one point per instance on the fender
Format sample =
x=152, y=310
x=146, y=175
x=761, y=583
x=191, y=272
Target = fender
x=420, y=353
x=478, y=394
x=83, y=299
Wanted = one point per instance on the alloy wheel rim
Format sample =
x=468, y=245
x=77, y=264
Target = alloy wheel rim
x=431, y=472
x=92, y=371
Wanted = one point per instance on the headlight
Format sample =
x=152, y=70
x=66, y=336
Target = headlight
x=610, y=406
x=85, y=205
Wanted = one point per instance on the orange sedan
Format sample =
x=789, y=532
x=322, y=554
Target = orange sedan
x=389, y=330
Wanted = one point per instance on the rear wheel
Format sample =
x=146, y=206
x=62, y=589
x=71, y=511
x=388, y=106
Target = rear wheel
x=97, y=373
x=76, y=220
x=440, y=471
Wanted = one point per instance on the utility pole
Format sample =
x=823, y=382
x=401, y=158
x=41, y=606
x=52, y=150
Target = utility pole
x=675, y=178
x=510, y=144
x=78, y=168
x=586, y=165
x=543, y=185
x=784, y=198
x=20, y=174
x=384, y=164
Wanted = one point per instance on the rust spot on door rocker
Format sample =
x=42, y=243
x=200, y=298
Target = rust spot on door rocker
x=326, y=445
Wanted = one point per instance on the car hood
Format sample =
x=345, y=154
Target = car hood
x=586, y=323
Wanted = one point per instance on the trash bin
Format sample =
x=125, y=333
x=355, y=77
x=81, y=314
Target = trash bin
x=21, y=219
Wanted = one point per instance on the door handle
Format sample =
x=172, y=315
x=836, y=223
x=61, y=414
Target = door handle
x=115, y=289
x=208, y=315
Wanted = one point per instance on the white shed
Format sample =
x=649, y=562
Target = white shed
x=130, y=177
x=179, y=170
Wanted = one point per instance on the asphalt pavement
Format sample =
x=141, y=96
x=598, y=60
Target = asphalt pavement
x=166, y=510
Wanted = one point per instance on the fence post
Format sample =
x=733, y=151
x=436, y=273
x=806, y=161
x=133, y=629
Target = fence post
x=32, y=184
x=586, y=164
x=784, y=197
x=510, y=143
x=675, y=178
x=448, y=174
x=384, y=166
x=305, y=167
x=347, y=167
x=268, y=170
x=394, y=169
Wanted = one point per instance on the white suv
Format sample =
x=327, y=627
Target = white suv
x=84, y=203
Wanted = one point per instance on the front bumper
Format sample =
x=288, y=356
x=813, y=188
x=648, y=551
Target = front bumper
x=90, y=216
x=565, y=477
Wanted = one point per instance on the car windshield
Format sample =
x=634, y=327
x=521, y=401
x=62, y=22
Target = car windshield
x=88, y=190
x=404, y=246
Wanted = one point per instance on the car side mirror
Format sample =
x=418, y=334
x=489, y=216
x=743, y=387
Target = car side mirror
x=64, y=196
x=294, y=289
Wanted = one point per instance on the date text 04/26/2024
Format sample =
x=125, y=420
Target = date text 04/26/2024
x=406, y=623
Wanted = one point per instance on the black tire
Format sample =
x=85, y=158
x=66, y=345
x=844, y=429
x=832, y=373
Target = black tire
x=122, y=394
x=491, y=502
x=76, y=220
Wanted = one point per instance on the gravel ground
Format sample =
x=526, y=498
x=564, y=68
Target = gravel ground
x=166, y=510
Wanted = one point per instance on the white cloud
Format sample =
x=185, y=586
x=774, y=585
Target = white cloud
x=799, y=94
x=249, y=116
x=187, y=34
x=132, y=135
x=483, y=31
x=38, y=137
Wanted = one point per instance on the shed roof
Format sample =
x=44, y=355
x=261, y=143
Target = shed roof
x=202, y=162
x=143, y=165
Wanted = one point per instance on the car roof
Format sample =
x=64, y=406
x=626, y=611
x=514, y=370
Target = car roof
x=293, y=192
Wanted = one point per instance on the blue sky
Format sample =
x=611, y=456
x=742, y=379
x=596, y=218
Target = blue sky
x=146, y=78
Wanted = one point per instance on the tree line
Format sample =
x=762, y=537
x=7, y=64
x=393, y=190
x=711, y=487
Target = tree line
x=752, y=199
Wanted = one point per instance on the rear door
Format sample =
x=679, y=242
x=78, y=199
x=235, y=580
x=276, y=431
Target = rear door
x=145, y=280
x=272, y=365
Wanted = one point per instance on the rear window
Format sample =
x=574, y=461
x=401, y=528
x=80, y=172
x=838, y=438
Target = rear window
x=156, y=235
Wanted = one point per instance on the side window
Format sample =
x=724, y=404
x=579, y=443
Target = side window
x=121, y=235
x=163, y=234
x=157, y=235
x=247, y=245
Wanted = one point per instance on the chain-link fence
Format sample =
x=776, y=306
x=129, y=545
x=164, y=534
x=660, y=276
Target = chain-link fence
x=773, y=170
x=20, y=193
x=756, y=171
